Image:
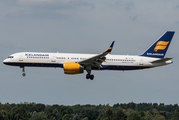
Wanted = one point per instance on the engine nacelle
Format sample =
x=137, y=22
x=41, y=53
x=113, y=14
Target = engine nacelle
x=72, y=68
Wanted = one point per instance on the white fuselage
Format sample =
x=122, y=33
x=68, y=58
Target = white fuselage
x=112, y=62
x=77, y=63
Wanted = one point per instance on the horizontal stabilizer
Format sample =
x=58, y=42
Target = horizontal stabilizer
x=161, y=60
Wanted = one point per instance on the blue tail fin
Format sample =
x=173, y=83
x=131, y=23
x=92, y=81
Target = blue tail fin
x=159, y=48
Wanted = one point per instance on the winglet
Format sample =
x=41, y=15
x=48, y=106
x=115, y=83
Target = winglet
x=110, y=48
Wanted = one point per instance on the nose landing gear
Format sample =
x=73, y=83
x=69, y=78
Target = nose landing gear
x=23, y=70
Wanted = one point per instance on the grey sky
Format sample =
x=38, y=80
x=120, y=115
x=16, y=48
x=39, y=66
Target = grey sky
x=87, y=27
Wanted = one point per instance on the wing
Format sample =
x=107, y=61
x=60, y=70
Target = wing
x=97, y=60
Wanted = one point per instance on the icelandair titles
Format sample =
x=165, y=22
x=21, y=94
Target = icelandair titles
x=155, y=54
x=36, y=54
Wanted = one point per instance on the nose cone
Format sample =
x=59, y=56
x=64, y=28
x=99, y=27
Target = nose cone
x=5, y=61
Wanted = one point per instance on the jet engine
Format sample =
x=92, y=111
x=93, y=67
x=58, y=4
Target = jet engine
x=72, y=68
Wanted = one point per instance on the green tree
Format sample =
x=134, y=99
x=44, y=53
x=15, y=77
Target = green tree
x=19, y=113
x=109, y=114
x=131, y=105
x=69, y=110
x=86, y=118
x=158, y=117
x=169, y=115
x=66, y=117
x=99, y=118
x=120, y=115
x=161, y=107
x=141, y=113
x=176, y=115
x=116, y=105
x=56, y=114
x=49, y=112
x=134, y=116
x=90, y=114
x=4, y=115
x=155, y=105
x=40, y=107
x=76, y=117
x=7, y=108
x=155, y=111
x=169, y=108
x=147, y=117
x=39, y=116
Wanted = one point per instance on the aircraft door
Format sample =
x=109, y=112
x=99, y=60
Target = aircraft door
x=21, y=58
x=141, y=62
x=53, y=59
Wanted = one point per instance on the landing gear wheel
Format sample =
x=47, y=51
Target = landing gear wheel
x=87, y=76
x=23, y=74
x=23, y=70
x=91, y=77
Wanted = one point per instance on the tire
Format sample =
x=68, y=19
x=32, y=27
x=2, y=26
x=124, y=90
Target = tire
x=23, y=74
x=87, y=76
x=91, y=77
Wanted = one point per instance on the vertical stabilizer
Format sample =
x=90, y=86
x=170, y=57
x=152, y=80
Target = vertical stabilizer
x=159, y=48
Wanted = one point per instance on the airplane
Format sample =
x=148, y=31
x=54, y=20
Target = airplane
x=73, y=63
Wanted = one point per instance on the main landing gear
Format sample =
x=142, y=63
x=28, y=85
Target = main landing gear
x=89, y=76
x=23, y=70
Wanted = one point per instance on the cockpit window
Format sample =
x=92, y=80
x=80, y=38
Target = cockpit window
x=11, y=57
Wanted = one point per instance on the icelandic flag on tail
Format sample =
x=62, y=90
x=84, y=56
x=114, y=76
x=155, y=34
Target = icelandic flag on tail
x=159, y=48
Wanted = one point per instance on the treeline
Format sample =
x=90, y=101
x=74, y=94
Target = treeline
x=130, y=111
